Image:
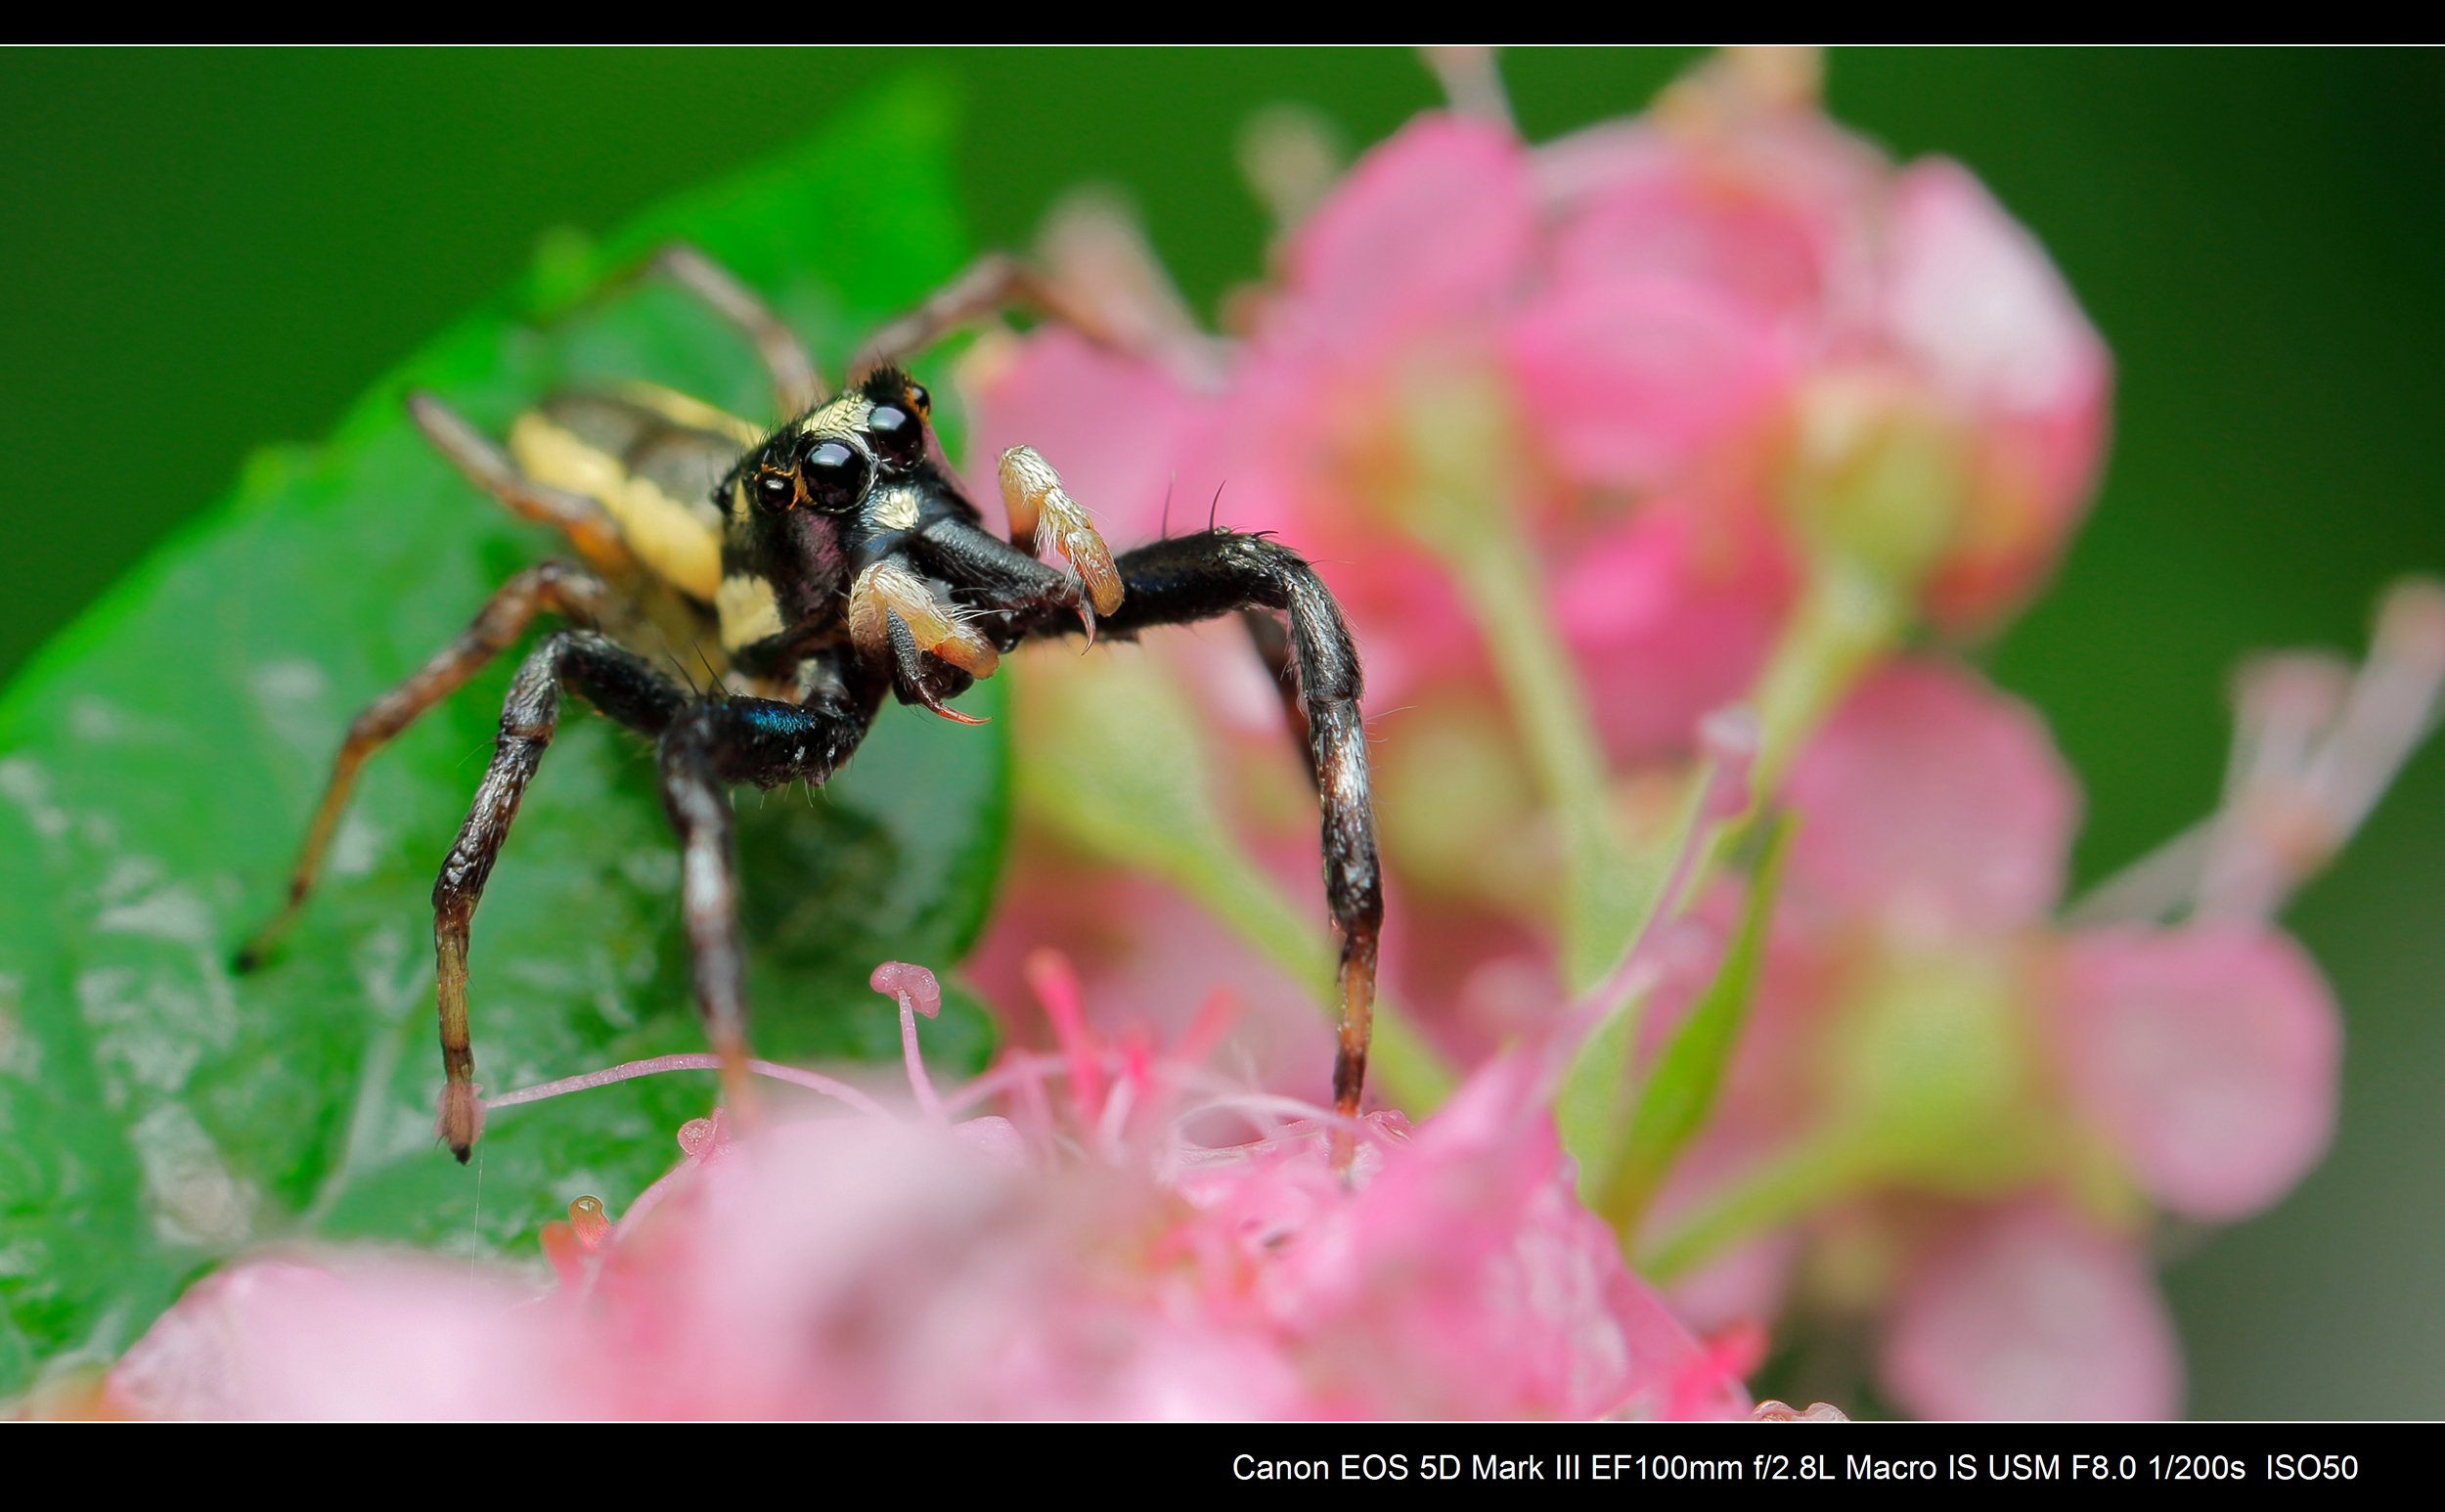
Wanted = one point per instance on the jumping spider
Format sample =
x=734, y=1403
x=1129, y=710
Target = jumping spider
x=834, y=561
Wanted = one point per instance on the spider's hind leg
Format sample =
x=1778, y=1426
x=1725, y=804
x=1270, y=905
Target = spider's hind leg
x=550, y=587
x=796, y=386
x=1214, y=573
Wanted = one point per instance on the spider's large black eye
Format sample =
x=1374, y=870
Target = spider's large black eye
x=836, y=474
x=898, y=437
x=777, y=491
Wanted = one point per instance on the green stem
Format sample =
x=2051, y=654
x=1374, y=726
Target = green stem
x=1784, y=1189
x=1461, y=508
x=1847, y=616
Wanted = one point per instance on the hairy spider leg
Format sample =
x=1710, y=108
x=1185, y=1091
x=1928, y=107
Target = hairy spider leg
x=993, y=283
x=591, y=530
x=711, y=745
x=1272, y=643
x=1190, y=578
x=622, y=685
x=701, y=747
x=1217, y=572
x=797, y=386
x=552, y=587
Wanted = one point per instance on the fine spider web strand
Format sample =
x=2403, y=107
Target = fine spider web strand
x=476, y=1225
x=814, y=1081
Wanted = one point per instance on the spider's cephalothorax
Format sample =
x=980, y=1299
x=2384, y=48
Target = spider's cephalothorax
x=835, y=563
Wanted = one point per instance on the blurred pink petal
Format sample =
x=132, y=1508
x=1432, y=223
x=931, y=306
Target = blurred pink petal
x=1972, y=299
x=1111, y=424
x=1431, y=227
x=1933, y=804
x=1777, y=219
x=1742, y=1285
x=376, y=1337
x=1630, y=381
x=2210, y=1055
x=861, y=1267
x=2031, y=1314
x=1670, y=615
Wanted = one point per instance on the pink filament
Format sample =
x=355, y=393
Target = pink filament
x=1055, y=984
x=918, y=1082
x=630, y=1069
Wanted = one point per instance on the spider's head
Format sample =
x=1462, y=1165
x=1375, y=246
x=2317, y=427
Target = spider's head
x=800, y=506
x=845, y=458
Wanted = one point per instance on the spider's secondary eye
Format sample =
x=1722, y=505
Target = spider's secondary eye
x=777, y=490
x=920, y=401
x=836, y=474
x=897, y=435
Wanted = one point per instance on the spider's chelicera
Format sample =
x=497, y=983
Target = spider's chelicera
x=833, y=563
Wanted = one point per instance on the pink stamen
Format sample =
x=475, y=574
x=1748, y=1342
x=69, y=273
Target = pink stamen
x=1020, y=1071
x=1116, y=1113
x=1214, y=1020
x=917, y=991
x=700, y=1139
x=1055, y=984
x=1727, y=740
x=1033, y=1104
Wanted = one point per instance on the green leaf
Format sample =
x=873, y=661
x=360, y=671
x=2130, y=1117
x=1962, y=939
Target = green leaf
x=1681, y=1088
x=1591, y=1106
x=159, y=761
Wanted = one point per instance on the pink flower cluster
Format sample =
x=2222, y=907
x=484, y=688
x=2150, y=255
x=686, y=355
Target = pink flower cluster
x=1080, y=1259
x=1691, y=324
x=1993, y=1105
x=1713, y=370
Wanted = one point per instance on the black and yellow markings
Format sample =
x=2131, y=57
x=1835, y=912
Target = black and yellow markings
x=677, y=542
x=748, y=609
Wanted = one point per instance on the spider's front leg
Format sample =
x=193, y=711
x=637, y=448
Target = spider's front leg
x=701, y=748
x=1217, y=572
x=706, y=748
x=619, y=683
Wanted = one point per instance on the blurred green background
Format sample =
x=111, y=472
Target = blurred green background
x=204, y=252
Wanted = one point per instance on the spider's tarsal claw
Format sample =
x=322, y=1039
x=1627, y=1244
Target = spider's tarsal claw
x=1043, y=516
x=954, y=715
x=915, y=678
